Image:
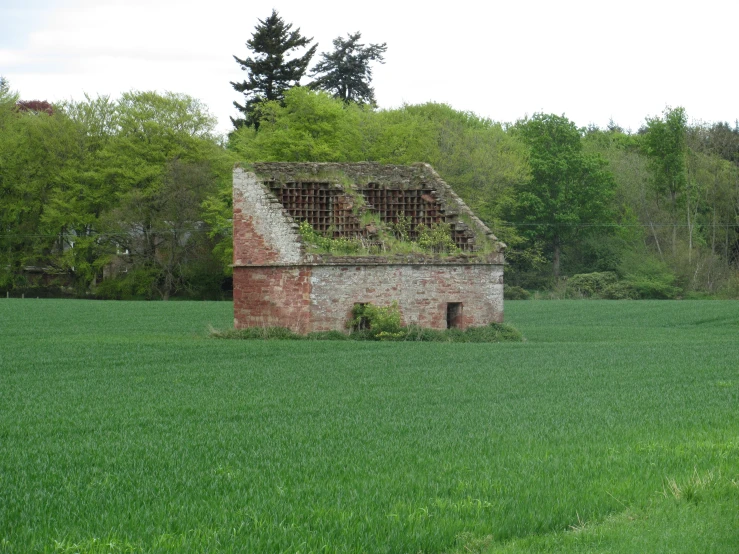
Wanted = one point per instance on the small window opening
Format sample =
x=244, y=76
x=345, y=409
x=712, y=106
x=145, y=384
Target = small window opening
x=361, y=322
x=453, y=315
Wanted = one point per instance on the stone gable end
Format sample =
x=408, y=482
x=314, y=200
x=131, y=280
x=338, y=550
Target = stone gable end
x=280, y=282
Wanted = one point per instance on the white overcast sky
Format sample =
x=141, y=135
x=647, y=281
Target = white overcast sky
x=503, y=59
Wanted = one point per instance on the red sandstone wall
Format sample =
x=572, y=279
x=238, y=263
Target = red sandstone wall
x=272, y=297
x=250, y=246
x=320, y=298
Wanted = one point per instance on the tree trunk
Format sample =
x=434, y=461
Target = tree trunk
x=673, y=196
x=556, y=260
x=690, y=233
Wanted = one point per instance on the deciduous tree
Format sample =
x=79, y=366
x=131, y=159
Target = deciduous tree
x=665, y=144
x=569, y=193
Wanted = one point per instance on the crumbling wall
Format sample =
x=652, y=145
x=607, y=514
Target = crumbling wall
x=321, y=297
x=276, y=283
x=422, y=293
x=428, y=198
x=263, y=232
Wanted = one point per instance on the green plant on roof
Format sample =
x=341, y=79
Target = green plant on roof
x=401, y=229
x=386, y=238
x=340, y=245
x=436, y=238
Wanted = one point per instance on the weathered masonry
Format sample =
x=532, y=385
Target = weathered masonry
x=312, y=240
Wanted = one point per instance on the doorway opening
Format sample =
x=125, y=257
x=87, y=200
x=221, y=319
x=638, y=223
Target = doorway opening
x=453, y=315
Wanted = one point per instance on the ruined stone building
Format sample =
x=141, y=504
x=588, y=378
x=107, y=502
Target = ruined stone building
x=312, y=240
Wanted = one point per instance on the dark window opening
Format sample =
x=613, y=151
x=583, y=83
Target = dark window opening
x=453, y=315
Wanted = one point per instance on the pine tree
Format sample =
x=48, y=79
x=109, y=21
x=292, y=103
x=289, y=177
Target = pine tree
x=346, y=71
x=270, y=73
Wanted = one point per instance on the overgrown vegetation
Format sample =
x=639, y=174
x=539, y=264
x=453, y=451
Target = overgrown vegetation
x=322, y=243
x=380, y=323
x=612, y=428
x=384, y=238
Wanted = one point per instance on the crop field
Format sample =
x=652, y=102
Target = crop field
x=125, y=428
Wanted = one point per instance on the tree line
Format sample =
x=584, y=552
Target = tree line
x=104, y=188
x=656, y=210
x=131, y=198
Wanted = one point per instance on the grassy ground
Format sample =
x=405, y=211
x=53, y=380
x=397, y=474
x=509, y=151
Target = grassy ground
x=614, y=428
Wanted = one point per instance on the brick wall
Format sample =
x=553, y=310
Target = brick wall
x=272, y=297
x=319, y=298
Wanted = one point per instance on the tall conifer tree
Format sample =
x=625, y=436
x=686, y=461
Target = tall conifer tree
x=270, y=73
x=346, y=72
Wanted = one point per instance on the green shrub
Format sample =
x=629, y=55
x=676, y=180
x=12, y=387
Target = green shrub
x=650, y=287
x=136, y=284
x=494, y=332
x=649, y=277
x=414, y=333
x=512, y=292
x=619, y=291
x=381, y=322
x=341, y=245
x=590, y=284
x=437, y=238
x=730, y=289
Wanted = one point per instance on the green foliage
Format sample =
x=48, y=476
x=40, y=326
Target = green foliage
x=98, y=178
x=147, y=173
x=346, y=72
x=570, y=192
x=649, y=277
x=340, y=245
x=717, y=139
x=513, y=292
x=137, y=284
x=8, y=98
x=401, y=229
x=665, y=146
x=271, y=72
x=328, y=335
x=436, y=238
x=307, y=126
x=475, y=156
x=378, y=322
x=40, y=157
x=494, y=332
x=254, y=333
x=591, y=284
x=621, y=290
x=393, y=239
x=217, y=213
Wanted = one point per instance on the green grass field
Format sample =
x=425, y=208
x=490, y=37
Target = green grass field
x=613, y=428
